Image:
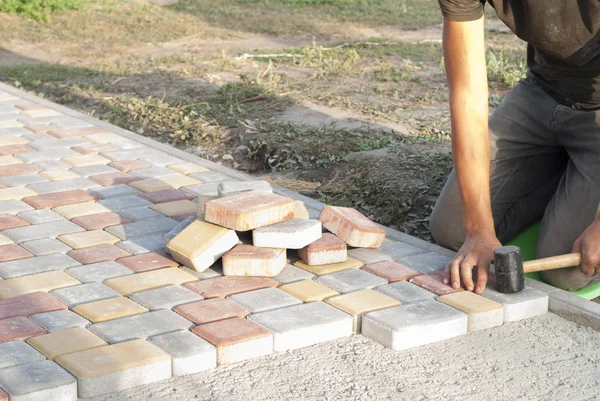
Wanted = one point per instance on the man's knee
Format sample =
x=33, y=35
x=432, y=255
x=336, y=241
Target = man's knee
x=446, y=223
x=569, y=279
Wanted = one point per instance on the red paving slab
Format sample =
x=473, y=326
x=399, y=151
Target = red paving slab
x=18, y=169
x=211, y=310
x=18, y=328
x=391, y=271
x=222, y=287
x=25, y=107
x=15, y=150
x=434, y=283
x=11, y=221
x=113, y=179
x=3, y=395
x=39, y=128
x=100, y=253
x=167, y=195
x=59, y=199
x=99, y=221
x=29, y=304
x=230, y=331
x=13, y=252
x=128, y=165
x=94, y=148
x=182, y=217
x=146, y=262
x=72, y=132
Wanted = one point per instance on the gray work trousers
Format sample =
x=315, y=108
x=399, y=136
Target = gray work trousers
x=545, y=164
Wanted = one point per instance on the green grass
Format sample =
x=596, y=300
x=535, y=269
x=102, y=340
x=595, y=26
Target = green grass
x=38, y=10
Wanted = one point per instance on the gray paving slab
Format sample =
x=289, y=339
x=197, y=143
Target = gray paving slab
x=405, y=292
x=232, y=187
x=46, y=155
x=115, y=191
x=60, y=320
x=124, y=203
x=140, y=213
x=44, y=188
x=291, y=274
x=51, y=165
x=190, y=353
x=426, y=263
x=14, y=206
x=130, y=154
x=264, y=299
x=398, y=250
x=56, y=143
x=153, y=172
x=39, y=264
x=351, y=280
x=142, y=228
x=165, y=297
x=41, y=216
x=88, y=171
x=161, y=159
x=22, y=180
x=98, y=272
x=18, y=352
x=46, y=246
x=38, y=380
x=40, y=231
x=522, y=305
x=139, y=245
x=84, y=293
x=368, y=256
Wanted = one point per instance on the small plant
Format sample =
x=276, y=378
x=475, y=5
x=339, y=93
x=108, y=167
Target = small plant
x=388, y=73
x=503, y=69
x=38, y=10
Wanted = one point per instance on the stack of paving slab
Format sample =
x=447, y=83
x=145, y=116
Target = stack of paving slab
x=90, y=303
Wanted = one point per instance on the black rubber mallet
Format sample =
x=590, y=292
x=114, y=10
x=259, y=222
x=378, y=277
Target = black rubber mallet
x=510, y=268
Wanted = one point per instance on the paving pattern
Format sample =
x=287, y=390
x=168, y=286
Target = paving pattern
x=90, y=302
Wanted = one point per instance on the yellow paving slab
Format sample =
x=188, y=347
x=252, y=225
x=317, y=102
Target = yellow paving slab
x=59, y=175
x=108, y=309
x=4, y=240
x=360, y=302
x=88, y=238
x=85, y=160
x=127, y=285
x=80, y=209
x=175, y=208
x=46, y=282
x=12, y=140
x=483, y=312
x=9, y=160
x=17, y=193
x=319, y=270
x=159, y=184
x=309, y=291
x=65, y=342
x=187, y=168
x=104, y=138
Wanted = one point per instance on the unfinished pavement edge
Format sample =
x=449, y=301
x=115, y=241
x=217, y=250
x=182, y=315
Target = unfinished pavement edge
x=562, y=303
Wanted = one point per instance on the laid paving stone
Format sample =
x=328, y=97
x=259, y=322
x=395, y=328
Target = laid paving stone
x=352, y=227
x=12, y=150
x=129, y=154
x=38, y=380
x=178, y=229
x=522, y=305
x=320, y=270
x=48, y=165
x=236, y=339
x=187, y=168
x=80, y=209
x=98, y=272
x=53, y=345
x=153, y=172
x=426, y=263
x=74, y=132
x=141, y=326
x=60, y=320
x=45, y=246
x=139, y=213
x=105, y=138
x=168, y=195
x=147, y=262
x=264, y=299
x=99, y=221
x=142, y=228
x=4, y=240
x=204, y=192
x=79, y=294
x=176, y=208
x=165, y=297
x=248, y=260
x=58, y=175
x=9, y=160
x=116, y=191
x=59, y=199
x=128, y=165
x=17, y=353
x=291, y=274
x=211, y=310
x=22, y=180
x=160, y=184
x=14, y=206
x=12, y=140
x=18, y=169
x=351, y=280
x=368, y=256
x=85, y=160
x=210, y=176
x=39, y=264
x=128, y=285
x=291, y=234
x=391, y=271
x=356, y=304
x=434, y=283
x=46, y=282
x=118, y=204
x=117, y=367
x=405, y=292
x=249, y=210
x=94, y=148
x=328, y=249
x=304, y=325
x=201, y=244
x=222, y=287
x=399, y=250
x=53, y=187
x=89, y=171
x=109, y=309
x=88, y=239
x=142, y=245
x=18, y=328
x=190, y=354
x=46, y=155
x=17, y=193
x=211, y=272
x=100, y=253
x=232, y=187
x=413, y=325
x=483, y=313
x=30, y=304
x=13, y=252
x=113, y=179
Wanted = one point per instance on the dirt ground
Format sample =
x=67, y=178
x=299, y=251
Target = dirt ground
x=545, y=358
x=343, y=101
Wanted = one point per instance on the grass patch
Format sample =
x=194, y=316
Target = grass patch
x=504, y=69
x=34, y=75
x=38, y=10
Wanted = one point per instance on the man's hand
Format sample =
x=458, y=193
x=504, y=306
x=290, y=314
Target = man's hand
x=589, y=245
x=477, y=251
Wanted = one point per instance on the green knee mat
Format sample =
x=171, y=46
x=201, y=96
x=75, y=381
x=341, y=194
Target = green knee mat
x=527, y=241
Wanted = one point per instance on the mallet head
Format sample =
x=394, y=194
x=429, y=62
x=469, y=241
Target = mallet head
x=508, y=266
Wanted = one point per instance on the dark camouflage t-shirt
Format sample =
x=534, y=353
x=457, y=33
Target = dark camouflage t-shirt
x=563, y=54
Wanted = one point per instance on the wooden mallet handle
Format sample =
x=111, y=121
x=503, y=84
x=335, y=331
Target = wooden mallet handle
x=553, y=262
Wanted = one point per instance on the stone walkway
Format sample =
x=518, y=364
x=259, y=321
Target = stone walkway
x=91, y=304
